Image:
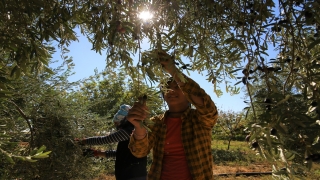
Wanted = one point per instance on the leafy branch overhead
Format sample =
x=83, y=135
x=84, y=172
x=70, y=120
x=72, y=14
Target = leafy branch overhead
x=269, y=47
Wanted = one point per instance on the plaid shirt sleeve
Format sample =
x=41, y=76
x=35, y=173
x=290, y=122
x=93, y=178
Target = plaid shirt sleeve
x=208, y=111
x=141, y=148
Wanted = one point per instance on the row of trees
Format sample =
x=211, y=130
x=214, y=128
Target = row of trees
x=222, y=40
x=45, y=113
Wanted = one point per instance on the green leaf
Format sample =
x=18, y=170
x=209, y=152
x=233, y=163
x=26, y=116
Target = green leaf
x=28, y=158
x=314, y=43
x=48, y=70
x=41, y=155
x=8, y=158
x=41, y=149
x=233, y=71
x=229, y=40
x=240, y=44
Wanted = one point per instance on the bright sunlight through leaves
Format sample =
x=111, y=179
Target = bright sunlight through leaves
x=145, y=15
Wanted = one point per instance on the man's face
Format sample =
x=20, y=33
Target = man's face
x=174, y=95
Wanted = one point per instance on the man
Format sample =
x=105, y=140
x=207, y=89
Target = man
x=181, y=137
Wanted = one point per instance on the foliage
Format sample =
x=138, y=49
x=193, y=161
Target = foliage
x=220, y=38
x=52, y=113
x=39, y=114
x=106, y=91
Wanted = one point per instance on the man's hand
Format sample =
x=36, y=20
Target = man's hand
x=167, y=62
x=137, y=113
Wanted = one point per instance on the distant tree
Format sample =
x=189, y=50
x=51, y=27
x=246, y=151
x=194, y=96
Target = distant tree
x=105, y=92
x=231, y=124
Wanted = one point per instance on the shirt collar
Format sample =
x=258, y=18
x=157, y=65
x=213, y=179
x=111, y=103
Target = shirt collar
x=183, y=116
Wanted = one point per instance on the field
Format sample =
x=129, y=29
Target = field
x=240, y=162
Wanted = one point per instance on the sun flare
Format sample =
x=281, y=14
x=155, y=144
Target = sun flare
x=145, y=15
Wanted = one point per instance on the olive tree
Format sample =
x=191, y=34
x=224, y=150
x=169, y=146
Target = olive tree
x=216, y=38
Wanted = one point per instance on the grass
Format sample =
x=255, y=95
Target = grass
x=238, y=159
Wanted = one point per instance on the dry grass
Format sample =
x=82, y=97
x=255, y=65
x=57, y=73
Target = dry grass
x=233, y=169
x=217, y=169
x=253, y=163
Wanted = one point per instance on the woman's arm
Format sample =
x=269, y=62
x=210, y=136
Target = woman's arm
x=118, y=136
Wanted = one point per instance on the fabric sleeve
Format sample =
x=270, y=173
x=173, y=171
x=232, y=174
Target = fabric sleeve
x=118, y=136
x=207, y=112
x=141, y=148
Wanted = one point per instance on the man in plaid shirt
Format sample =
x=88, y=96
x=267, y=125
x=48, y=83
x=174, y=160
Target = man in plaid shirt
x=180, y=138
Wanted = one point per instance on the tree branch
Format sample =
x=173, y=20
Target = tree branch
x=25, y=117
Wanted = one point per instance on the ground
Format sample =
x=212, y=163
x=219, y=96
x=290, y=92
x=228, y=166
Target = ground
x=217, y=169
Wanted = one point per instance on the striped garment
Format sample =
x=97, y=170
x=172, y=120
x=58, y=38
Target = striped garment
x=196, y=130
x=120, y=135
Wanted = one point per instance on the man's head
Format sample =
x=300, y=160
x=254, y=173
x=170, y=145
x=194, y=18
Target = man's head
x=173, y=95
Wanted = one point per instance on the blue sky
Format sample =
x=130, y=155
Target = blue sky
x=87, y=60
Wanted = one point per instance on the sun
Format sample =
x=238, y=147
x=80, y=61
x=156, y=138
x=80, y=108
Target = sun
x=145, y=15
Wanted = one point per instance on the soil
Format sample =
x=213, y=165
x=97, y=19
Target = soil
x=220, y=169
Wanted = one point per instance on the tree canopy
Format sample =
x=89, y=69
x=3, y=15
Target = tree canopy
x=221, y=39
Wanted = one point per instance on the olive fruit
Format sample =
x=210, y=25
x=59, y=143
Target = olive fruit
x=267, y=100
x=314, y=104
x=308, y=14
x=273, y=131
x=284, y=21
x=277, y=69
x=244, y=80
x=288, y=60
x=276, y=28
x=94, y=8
x=255, y=145
x=270, y=69
x=245, y=72
x=184, y=67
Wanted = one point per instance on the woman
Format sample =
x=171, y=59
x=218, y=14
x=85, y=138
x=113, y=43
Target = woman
x=127, y=166
x=181, y=137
